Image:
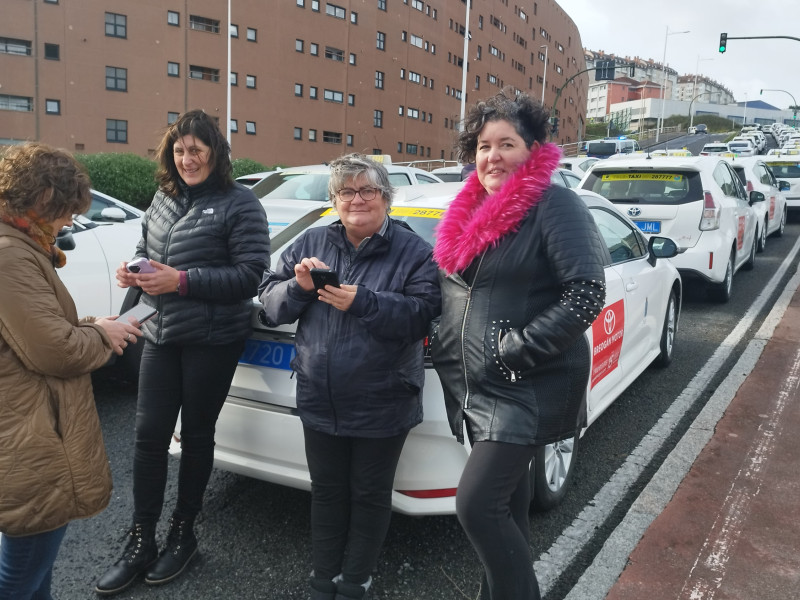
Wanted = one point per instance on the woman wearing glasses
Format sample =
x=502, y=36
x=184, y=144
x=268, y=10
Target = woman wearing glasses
x=359, y=365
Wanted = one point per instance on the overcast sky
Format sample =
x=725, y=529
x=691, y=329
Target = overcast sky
x=639, y=27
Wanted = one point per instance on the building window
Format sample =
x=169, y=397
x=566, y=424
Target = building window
x=411, y=148
x=301, y=3
x=173, y=18
x=402, y=73
x=251, y=81
x=234, y=30
x=416, y=41
x=16, y=103
x=381, y=4
x=315, y=5
x=399, y=147
x=203, y=24
x=313, y=49
x=234, y=125
x=400, y=110
x=404, y=36
x=298, y=133
x=334, y=54
x=377, y=118
x=117, y=79
x=298, y=89
x=51, y=1
x=477, y=82
x=206, y=73
x=252, y=34
x=352, y=59
x=116, y=25
x=14, y=46
x=312, y=92
x=414, y=77
x=52, y=52
x=173, y=69
x=335, y=11
x=333, y=96
x=116, y=131
x=312, y=135
x=298, y=45
x=172, y=117
x=234, y=78
x=412, y=113
x=380, y=41
x=250, y=127
x=379, y=75
x=349, y=139
x=331, y=137
x=351, y=99
x=354, y=17
x=52, y=107
x=418, y=5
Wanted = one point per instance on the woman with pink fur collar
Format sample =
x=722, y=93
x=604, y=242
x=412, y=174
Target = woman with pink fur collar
x=521, y=270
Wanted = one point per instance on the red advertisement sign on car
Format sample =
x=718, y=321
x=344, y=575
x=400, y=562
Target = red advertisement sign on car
x=607, y=332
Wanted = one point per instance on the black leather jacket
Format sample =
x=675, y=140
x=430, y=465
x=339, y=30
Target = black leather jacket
x=510, y=347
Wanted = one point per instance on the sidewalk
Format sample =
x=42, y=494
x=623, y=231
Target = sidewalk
x=731, y=531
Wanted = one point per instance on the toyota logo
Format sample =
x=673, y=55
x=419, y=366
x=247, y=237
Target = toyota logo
x=634, y=212
x=609, y=322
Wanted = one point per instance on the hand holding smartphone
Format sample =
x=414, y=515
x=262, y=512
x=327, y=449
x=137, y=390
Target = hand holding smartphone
x=140, y=265
x=140, y=312
x=323, y=277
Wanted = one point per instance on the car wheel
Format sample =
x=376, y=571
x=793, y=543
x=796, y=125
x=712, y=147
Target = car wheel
x=721, y=292
x=551, y=472
x=762, y=239
x=751, y=260
x=668, y=332
x=779, y=231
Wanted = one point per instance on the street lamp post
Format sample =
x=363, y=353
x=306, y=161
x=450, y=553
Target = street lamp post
x=794, y=106
x=691, y=114
x=464, y=67
x=696, y=69
x=544, y=75
x=664, y=79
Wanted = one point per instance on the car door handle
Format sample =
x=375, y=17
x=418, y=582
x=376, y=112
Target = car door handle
x=630, y=286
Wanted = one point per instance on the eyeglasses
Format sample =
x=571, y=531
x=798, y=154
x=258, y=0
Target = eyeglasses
x=347, y=194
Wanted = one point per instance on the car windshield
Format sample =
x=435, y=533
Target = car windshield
x=293, y=186
x=602, y=148
x=646, y=187
x=740, y=145
x=789, y=170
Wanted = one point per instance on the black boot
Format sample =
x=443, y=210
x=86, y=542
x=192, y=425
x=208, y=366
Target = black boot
x=140, y=552
x=180, y=549
x=352, y=591
x=322, y=589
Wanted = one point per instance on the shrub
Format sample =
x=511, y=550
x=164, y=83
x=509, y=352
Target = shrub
x=128, y=177
x=246, y=166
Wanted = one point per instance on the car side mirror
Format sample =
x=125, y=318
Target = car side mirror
x=65, y=240
x=661, y=247
x=756, y=197
x=112, y=213
x=784, y=185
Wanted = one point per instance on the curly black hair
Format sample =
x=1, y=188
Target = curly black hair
x=198, y=124
x=529, y=118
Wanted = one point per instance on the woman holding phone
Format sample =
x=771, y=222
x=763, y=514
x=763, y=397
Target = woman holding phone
x=204, y=247
x=359, y=365
x=52, y=458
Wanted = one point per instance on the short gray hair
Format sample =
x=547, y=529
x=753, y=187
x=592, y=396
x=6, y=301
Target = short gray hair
x=350, y=166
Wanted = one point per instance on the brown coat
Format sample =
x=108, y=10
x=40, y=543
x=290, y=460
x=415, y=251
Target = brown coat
x=53, y=464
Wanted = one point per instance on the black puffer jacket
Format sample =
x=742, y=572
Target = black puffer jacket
x=221, y=239
x=510, y=348
x=360, y=372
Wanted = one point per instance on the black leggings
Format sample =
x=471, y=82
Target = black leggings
x=492, y=505
x=351, y=501
x=195, y=381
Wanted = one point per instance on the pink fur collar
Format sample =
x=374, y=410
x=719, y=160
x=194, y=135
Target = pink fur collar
x=476, y=221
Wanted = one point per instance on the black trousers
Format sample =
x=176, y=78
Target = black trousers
x=191, y=379
x=351, y=501
x=492, y=504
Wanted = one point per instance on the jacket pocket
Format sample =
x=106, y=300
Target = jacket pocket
x=495, y=367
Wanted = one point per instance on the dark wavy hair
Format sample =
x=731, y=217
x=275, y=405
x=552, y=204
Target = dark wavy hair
x=529, y=118
x=47, y=181
x=198, y=124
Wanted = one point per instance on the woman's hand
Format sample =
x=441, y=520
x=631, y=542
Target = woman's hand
x=125, y=278
x=120, y=333
x=341, y=297
x=302, y=272
x=164, y=281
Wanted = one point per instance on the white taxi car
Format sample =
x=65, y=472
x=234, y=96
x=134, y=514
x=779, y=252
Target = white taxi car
x=259, y=434
x=754, y=174
x=697, y=201
x=786, y=168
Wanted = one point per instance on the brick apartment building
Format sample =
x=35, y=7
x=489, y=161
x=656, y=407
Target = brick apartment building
x=310, y=79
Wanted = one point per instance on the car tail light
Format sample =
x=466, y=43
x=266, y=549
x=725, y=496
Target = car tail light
x=704, y=154
x=443, y=493
x=749, y=186
x=711, y=213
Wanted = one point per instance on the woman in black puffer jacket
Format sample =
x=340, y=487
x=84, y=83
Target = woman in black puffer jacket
x=207, y=242
x=522, y=279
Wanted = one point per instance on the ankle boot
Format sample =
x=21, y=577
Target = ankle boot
x=180, y=549
x=322, y=589
x=352, y=591
x=140, y=552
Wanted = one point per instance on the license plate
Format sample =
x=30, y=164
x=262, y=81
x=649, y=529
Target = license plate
x=649, y=226
x=264, y=353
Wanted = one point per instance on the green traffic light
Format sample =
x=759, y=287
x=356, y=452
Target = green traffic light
x=723, y=42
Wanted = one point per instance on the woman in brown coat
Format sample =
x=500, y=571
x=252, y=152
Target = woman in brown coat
x=53, y=465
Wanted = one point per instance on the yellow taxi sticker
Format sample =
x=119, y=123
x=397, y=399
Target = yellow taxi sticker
x=773, y=163
x=404, y=211
x=642, y=176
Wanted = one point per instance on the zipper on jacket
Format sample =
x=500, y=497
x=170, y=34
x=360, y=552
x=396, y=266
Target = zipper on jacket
x=463, y=330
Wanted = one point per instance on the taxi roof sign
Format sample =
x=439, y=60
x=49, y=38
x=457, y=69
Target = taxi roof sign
x=384, y=159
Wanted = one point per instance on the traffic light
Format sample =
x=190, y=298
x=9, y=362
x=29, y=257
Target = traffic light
x=604, y=70
x=723, y=42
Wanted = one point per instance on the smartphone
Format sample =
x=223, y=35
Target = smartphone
x=323, y=277
x=140, y=265
x=140, y=312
